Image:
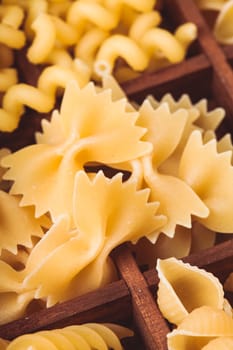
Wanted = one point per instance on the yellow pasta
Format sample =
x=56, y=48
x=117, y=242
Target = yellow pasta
x=119, y=46
x=42, y=44
x=143, y=23
x=89, y=136
x=11, y=18
x=207, y=180
x=158, y=41
x=42, y=98
x=89, y=43
x=223, y=28
x=183, y=288
x=92, y=12
x=89, y=245
x=8, y=77
x=200, y=327
x=86, y=336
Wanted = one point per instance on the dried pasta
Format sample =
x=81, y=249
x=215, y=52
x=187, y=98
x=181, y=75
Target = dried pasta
x=193, y=299
x=86, y=336
x=41, y=98
x=119, y=46
x=11, y=18
x=179, y=281
x=103, y=36
x=89, y=245
x=75, y=130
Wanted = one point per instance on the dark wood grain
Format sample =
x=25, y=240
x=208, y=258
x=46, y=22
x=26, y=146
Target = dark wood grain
x=147, y=316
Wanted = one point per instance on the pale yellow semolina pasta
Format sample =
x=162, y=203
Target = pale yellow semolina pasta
x=119, y=46
x=93, y=12
x=89, y=245
x=11, y=18
x=89, y=43
x=41, y=98
x=223, y=28
x=8, y=77
x=143, y=23
x=92, y=135
x=208, y=180
x=183, y=288
x=202, y=326
x=42, y=44
x=86, y=336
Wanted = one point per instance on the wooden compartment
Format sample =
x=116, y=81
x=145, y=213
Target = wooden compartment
x=131, y=301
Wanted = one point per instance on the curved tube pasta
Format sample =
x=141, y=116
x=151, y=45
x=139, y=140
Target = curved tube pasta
x=159, y=41
x=186, y=34
x=11, y=15
x=11, y=18
x=65, y=33
x=89, y=43
x=92, y=12
x=119, y=46
x=138, y=5
x=143, y=23
x=42, y=44
x=34, y=8
x=11, y=37
x=41, y=98
x=8, y=77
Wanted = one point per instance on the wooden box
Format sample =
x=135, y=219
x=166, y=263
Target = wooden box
x=131, y=301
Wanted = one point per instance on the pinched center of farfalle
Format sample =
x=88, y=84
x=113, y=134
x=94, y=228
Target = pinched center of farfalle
x=107, y=212
x=90, y=127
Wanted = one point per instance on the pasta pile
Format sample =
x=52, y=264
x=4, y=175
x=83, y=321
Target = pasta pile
x=193, y=300
x=81, y=40
x=86, y=336
x=223, y=23
x=168, y=174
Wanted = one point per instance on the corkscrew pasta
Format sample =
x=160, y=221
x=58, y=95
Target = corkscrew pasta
x=85, y=336
x=101, y=36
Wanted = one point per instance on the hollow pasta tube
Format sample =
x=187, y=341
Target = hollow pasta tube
x=92, y=12
x=119, y=46
x=44, y=41
x=143, y=23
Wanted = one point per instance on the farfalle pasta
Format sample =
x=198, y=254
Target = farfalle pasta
x=62, y=163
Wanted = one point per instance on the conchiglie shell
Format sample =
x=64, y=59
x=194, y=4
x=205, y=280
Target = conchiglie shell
x=183, y=287
x=222, y=343
x=201, y=326
x=223, y=28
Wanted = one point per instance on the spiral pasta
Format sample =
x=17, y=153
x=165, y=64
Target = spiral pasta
x=85, y=336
